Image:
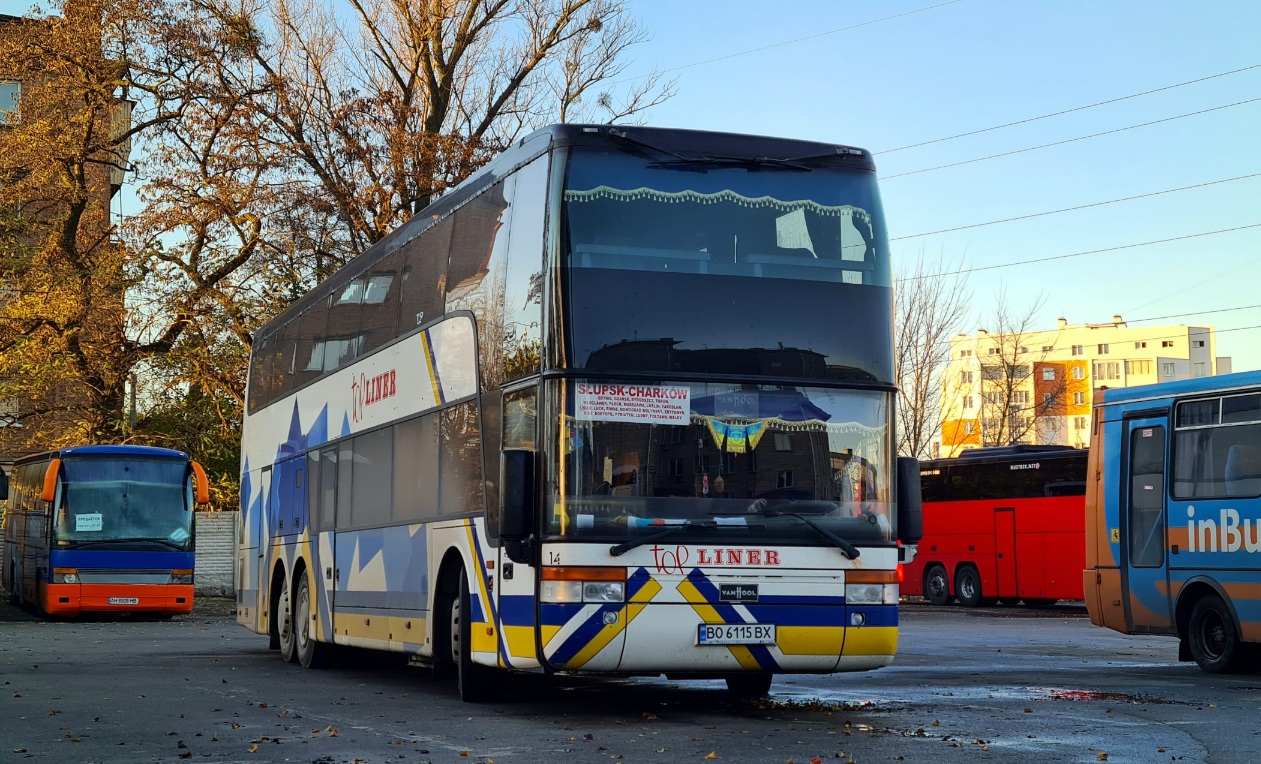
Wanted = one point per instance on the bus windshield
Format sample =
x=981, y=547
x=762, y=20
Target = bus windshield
x=765, y=462
x=125, y=500
x=674, y=264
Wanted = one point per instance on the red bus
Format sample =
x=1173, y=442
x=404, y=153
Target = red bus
x=1002, y=525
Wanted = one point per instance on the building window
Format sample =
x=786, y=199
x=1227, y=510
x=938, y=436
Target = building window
x=784, y=479
x=1102, y=349
x=1024, y=349
x=1167, y=370
x=10, y=99
x=1047, y=348
x=968, y=401
x=1077, y=349
x=1019, y=396
x=1166, y=343
x=1079, y=423
x=1198, y=369
x=782, y=442
x=727, y=461
x=965, y=353
x=965, y=377
x=1048, y=373
x=1079, y=399
x=1140, y=345
x=993, y=351
x=1197, y=343
x=1048, y=399
x=1138, y=367
x=1107, y=370
x=1079, y=372
x=674, y=467
x=969, y=428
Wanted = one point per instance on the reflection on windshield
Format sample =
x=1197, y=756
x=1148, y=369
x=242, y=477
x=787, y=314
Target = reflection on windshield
x=738, y=458
x=108, y=500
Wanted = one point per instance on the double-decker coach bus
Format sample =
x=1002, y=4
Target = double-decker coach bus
x=620, y=403
x=1173, y=516
x=1003, y=524
x=103, y=529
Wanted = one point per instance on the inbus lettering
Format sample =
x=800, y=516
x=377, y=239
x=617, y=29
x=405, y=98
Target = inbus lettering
x=1229, y=533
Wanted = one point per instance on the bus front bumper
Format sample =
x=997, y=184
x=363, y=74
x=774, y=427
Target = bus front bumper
x=70, y=600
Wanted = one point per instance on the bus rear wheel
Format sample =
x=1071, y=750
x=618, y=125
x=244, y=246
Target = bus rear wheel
x=476, y=683
x=968, y=586
x=311, y=652
x=284, y=624
x=937, y=585
x=1214, y=639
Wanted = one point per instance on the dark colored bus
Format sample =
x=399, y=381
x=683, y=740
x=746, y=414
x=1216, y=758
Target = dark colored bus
x=1003, y=524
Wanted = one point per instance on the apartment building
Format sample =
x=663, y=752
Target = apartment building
x=1037, y=386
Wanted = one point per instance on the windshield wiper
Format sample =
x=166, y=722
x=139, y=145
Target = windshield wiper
x=847, y=549
x=140, y=539
x=620, y=549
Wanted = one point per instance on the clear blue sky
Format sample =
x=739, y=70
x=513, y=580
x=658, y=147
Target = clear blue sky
x=899, y=72
x=973, y=64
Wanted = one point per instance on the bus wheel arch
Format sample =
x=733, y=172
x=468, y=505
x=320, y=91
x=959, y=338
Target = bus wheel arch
x=937, y=584
x=1209, y=630
x=446, y=590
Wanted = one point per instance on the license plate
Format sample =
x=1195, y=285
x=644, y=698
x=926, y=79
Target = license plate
x=735, y=634
x=124, y=600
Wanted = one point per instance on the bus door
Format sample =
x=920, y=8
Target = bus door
x=515, y=592
x=261, y=539
x=1007, y=583
x=1144, y=574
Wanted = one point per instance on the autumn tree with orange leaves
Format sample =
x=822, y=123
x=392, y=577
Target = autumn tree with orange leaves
x=271, y=141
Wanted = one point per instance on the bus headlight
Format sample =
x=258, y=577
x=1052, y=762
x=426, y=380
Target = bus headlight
x=871, y=594
x=572, y=585
x=65, y=576
x=181, y=576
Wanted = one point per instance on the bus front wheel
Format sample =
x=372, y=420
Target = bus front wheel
x=968, y=586
x=1214, y=639
x=937, y=585
x=311, y=652
x=753, y=684
x=476, y=683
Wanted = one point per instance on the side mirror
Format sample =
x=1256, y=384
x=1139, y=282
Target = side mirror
x=4, y=486
x=910, y=503
x=50, y=480
x=203, y=485
x=518, y=505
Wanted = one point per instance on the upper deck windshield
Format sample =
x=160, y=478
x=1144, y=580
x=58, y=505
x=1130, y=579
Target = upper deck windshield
x=722, y=462
x=674, y=264
x=125, y=502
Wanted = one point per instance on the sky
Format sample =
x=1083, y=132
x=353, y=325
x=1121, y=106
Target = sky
x=896, y=73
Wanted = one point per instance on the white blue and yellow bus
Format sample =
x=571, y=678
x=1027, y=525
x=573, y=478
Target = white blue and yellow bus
x=103, y=529
x=620, y=403
x=1173, y=516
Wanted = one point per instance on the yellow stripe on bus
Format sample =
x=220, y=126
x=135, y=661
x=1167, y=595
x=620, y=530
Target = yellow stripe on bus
x=810, y=640
x=606, y=635
x=433, y=374
x=871, y=640
x=709, y=615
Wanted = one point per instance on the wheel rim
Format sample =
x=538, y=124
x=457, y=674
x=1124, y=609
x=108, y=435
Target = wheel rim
x=285, y=627
x=455, y=630
x=966, y=588
x=302, y=624
x=1213, y=634
x=936, y=583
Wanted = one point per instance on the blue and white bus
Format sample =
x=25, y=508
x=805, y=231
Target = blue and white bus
x=103, y=529
x=620, y=403
x=1173, y=516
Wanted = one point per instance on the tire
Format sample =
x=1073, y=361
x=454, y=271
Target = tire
x=1213, y=638
x=476, y=683
x=749, y=684
x=311, y=652
x=968, y=586
x=937, y=585
x=284, y=625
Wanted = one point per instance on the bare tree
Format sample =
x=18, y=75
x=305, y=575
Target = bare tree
x=930, y=303
x=1021, y=393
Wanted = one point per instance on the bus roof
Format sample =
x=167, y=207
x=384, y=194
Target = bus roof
x=1017, y=453
x=1162, y=390
x=694, y=143
x=146, y=452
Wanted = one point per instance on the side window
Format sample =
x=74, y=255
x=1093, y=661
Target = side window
x=416, y=469
x=327, y=486
x=423, y=279
x=1147, y=496
x=378, y=311
x=523, y=279
x=372, y=494
x=459, y=460
x=475, y=276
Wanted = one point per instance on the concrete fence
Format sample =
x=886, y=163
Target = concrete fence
x=216, y=554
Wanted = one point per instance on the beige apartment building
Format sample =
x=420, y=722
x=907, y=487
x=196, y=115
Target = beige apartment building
x=1036, y=387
